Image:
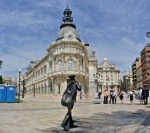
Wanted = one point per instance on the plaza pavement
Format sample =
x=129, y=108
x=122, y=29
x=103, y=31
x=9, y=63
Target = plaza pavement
x=37, y=115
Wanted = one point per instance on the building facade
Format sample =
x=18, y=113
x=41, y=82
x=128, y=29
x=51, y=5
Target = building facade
x=7, y=80
x=134, y=73
x=145, y=64
x=139, y=72
x=67, y=56
x=128, y=82
x=109, y=76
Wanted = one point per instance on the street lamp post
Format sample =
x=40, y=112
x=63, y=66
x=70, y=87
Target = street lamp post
x=23, y=85
x=96, y=76
x=19, y=83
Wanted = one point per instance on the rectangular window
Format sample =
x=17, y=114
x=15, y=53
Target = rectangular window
x=50, y=66
x=70, y=65
x=59, y=66
x=67, y=49
x=58, y=89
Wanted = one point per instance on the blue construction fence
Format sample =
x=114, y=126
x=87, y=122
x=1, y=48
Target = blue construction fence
x=7, y=93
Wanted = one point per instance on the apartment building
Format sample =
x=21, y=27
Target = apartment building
x=139, y=72
x=145, y=64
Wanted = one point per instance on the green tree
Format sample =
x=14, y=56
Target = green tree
x=1, y=80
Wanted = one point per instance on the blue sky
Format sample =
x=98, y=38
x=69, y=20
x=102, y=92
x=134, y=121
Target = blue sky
x=116, y=29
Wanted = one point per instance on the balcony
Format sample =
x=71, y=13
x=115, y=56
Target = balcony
x=66, y=72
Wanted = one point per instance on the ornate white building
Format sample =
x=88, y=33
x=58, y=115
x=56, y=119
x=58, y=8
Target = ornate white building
x=109, y=76
x=66, y=56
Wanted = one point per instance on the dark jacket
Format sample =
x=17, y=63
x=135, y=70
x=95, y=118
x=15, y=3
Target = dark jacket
x=145, y=92
x=69, y=95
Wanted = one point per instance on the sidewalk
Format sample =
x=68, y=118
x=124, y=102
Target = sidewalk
x=37, y=115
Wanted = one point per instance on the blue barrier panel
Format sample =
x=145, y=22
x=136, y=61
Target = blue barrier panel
x=11, y=94
x=2, y=93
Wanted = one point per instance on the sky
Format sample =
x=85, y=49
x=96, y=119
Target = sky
x=115, y=29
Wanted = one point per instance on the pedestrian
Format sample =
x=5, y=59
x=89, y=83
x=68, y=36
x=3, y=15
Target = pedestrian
x=145, y=94
x=99, y=94
x=131, y=96
x=111, y=93
x=140, y=97
x=114, y=97
x=68, y=100
x=121, y=95
x=105, y=97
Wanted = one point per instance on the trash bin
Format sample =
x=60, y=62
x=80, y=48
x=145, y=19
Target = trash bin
x=2, y=93
x=11, y=94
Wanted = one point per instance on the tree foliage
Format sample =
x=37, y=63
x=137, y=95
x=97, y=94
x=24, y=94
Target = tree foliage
x=1, y=80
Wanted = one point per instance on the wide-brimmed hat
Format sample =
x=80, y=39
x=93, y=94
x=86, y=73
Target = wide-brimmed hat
x=72, y=77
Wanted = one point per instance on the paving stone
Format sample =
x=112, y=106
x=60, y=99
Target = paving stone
x=45, y=115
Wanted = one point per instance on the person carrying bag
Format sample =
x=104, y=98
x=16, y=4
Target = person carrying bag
x=68, y=100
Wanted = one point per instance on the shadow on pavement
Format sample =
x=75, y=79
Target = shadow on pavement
x=115, y=122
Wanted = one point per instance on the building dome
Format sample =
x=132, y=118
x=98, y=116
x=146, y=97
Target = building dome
x=67, y=26
x=64, y=30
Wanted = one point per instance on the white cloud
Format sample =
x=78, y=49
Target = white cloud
x=115, y=29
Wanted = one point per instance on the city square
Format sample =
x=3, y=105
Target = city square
x=36, y=115
x=74, y=66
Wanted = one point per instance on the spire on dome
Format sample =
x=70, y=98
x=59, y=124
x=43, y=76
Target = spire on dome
x=67, y=19
x=67, y=5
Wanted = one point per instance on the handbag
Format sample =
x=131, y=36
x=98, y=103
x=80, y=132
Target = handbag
x=67, y=97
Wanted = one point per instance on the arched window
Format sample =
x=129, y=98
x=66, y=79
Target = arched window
x=59, y=65
x=58, y=50
x=50, y=66
x=70, y=65
x=67, y=49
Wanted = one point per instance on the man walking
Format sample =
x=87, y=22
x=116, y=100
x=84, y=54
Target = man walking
x=145, y=94
x=114, y=97
x=111, y=95
x=68, y=100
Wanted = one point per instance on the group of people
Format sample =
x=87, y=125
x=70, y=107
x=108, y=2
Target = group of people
x=142, y=95
x=69, y=98
x=113, y=96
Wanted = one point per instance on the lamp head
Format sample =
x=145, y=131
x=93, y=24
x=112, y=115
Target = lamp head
x=148, y=34
x=19, y=70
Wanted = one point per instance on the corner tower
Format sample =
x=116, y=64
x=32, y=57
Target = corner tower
x=67, y=27
x=66, y=56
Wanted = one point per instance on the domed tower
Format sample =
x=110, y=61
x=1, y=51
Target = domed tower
x=68, y=55
x=67, y=27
